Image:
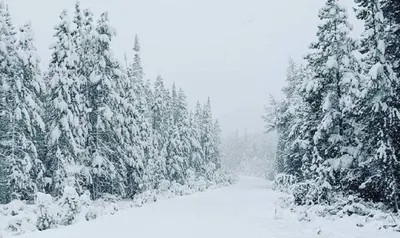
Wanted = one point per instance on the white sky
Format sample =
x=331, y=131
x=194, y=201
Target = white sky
x=234, y=51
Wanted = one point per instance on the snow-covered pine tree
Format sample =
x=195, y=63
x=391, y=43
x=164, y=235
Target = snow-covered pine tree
x=160, y=115
x=207, y=139
x=391, y=11
x=142, y=87
x=174, y=103
x=19, y=176
x=287, y=146
x=104, y=143
x=70, y=206
x=83, y=38
x=184, y=126
x=135, y=71
x=132, y=144
x=141, y=133
x=62, y=110
x=155, y=167
x=288, y=118
x=46, y=219
x=217, y=143
x=124, y=125
x=146, y=145
x=159, y=106
x=175, y=159
x=380, y=113
x=149, y=98
x=29, y=123
x=7, y=59
x=136, y=77
x=198, y=155
x=4, y=192
x=179, y=144
x=22, y=173
x=329, y=63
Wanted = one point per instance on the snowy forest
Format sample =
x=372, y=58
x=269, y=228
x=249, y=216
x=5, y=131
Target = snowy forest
x=90, y=124
x=339, y=121
x=86, y=135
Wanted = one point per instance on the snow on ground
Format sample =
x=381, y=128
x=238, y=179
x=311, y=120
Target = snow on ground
x=245, y=210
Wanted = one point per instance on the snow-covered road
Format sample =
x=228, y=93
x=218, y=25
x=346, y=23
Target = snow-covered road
x=245, y=210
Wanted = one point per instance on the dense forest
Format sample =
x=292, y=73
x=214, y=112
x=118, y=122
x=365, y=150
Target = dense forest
x=339, y=122
x=90, y=124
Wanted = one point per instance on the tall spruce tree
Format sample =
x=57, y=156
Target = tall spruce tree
x=7, y=71
x=28, y=115
x=22, y=171
x=84, y=39
x=141, y=135
x=207, y=139
x=197, y=145
x=287, y=117
x=391, y=11
x=331, y=66
x=62, y=110
x=184, y=127
x=160, y=112
x=379, y=110
x=175, y=159
x=217, y=143
x=104, y=142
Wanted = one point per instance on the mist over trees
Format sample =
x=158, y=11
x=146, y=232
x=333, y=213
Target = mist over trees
x=249, y=154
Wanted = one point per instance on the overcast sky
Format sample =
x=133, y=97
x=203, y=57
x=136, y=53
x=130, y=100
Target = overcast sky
x=234, y=51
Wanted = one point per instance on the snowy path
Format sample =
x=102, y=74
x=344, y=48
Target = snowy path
x=245, y=210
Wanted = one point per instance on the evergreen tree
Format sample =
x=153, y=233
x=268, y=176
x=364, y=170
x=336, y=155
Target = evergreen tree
x=197, y=135
x=207, y=138
x=184, y=127
x=7, y=60
x=84, y=39
x=391, y=11
x=179, y=149
x=196, y=152
x=330, y=64
x=135, y=71
x=155, y=167
x=70, y=206
x=29, y=123
x=379, y=105
x=217, y=143
x=22, y=173
x=104, y=143
x=141, y=133
x=175, y=159
x=62, y=110
x=160, y=113
x=289, y=118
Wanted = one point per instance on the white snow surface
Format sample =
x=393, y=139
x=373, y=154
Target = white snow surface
x=246, y=209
